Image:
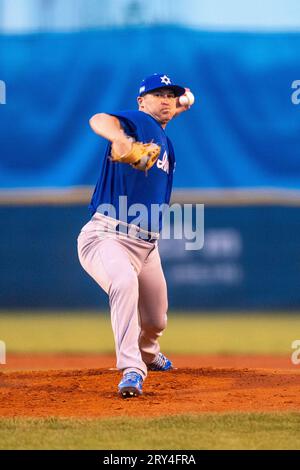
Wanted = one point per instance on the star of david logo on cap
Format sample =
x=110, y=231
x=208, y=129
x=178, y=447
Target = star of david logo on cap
x=165, y=79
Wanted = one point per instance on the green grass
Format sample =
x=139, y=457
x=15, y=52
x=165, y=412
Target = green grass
x=186, y=333
x=207, y=431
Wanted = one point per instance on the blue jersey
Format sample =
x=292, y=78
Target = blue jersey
x=119, y=179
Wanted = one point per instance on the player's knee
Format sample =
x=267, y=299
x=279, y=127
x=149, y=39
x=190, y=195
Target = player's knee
x=154, y=325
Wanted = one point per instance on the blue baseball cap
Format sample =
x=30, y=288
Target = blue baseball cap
x=159, y=80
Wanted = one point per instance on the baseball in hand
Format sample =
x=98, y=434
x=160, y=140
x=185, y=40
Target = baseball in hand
x=187, y=99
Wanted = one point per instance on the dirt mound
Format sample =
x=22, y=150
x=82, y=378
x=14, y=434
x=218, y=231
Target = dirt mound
x=92, y=392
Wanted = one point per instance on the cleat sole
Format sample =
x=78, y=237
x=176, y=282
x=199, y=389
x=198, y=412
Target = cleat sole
x=130, y=392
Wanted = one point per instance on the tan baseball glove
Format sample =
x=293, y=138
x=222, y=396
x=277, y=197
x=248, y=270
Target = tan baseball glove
x=141, y=156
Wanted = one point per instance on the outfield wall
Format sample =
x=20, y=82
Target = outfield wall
x=250, y=260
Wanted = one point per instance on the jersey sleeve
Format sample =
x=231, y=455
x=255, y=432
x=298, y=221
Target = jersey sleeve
x=127, y=123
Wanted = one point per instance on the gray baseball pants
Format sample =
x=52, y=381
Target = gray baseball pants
x=129, y=270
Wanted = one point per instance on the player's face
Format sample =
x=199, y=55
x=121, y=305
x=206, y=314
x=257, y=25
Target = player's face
x=161, y=104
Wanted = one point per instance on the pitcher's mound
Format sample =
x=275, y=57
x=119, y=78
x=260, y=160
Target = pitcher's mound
x=90, y=393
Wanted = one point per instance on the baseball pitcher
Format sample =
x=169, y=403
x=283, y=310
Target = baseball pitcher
x=117, y=247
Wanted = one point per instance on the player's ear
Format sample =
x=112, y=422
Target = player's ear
x=140, y=101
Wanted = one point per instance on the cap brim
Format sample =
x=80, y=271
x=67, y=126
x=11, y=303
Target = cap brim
x=178, y=90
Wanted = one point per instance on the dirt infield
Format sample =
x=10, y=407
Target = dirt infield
x=192, y=388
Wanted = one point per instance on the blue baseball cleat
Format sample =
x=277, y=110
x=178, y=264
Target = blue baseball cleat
x=161, y=363
x=131, y=385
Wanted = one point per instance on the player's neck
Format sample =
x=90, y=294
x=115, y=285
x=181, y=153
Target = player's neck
x=163, y=124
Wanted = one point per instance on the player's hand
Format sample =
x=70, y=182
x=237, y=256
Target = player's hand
x=181, y=108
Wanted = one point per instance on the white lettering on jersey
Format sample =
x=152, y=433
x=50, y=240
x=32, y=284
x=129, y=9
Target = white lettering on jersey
x=164, y=163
